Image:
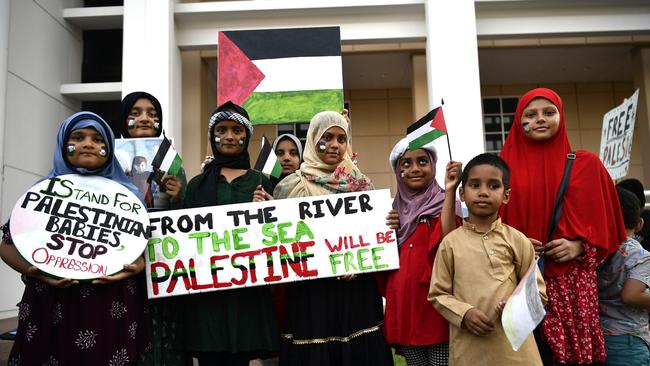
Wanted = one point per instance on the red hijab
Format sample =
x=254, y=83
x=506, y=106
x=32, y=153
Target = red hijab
x=590, y=210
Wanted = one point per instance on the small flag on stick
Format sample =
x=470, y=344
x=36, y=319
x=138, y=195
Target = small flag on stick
x=426, y=129
x=267, y=162
x=167, y=159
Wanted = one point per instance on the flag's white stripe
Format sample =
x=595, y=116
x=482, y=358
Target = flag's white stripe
x=168, y=159
x=300, y=73
x=420, y=131
x=270, y=163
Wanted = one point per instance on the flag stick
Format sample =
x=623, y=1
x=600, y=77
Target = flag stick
x=442, y=102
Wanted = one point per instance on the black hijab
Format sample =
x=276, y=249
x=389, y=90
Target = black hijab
x=212, y=171
x=127, y=105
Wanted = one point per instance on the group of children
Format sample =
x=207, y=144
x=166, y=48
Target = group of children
x=442, y=306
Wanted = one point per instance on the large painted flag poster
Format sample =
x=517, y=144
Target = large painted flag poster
x=281, y=75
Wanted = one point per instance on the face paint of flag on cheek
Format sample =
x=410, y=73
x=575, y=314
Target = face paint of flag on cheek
x=130, y=123
x=71, y=149
x=156, y=125
x=103, y=152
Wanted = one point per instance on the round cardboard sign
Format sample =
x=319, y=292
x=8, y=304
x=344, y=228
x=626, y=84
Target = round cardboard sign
x=79, y=227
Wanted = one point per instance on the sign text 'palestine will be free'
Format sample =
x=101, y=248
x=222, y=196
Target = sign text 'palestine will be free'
x=253, y=244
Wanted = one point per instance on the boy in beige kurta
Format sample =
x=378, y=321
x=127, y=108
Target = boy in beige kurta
x=477, y=268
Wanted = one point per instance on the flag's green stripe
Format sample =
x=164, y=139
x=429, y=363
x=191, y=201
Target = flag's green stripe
x=292, y=106
x=425, y=139
x=175, y=166
x=277, y=169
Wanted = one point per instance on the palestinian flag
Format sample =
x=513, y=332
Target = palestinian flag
x=167, y=159
x=267, y=162
x=281, y=75
x=426, y=129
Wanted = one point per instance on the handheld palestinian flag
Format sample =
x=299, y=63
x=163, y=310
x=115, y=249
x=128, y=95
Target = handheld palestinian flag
x=426, y=129
x=267, y=162
x=167, y=159
x=281, y=75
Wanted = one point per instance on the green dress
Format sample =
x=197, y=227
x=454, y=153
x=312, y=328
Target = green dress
x=234, y=321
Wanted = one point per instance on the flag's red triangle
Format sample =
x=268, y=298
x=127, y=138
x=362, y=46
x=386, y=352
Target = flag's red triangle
x=438, y=121
x=237, y=75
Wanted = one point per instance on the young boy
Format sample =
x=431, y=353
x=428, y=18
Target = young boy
x=623, y=280
x=478, y=266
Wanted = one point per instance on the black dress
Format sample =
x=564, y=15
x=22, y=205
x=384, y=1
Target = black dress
x=237, y=321
x=334, y=322
x=83, y=324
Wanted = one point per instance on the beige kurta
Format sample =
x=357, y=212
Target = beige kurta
x=474, y=269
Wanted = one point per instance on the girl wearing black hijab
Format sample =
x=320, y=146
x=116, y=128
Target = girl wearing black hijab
x=228, y=327
x=141, y=118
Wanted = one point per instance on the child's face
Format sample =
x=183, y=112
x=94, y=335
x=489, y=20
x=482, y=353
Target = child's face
x=287, y=153
x=416, y=169
x=145, y=119
x=86, y=148
x=541, y=119
x=335, y=141
x=484, y=191
x=230, y=137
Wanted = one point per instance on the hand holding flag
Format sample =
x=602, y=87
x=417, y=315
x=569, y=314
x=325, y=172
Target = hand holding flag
x=167, y=162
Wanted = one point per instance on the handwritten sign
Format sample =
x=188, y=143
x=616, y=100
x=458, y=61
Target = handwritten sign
x=616, y=138
x=79, y=227
x=253, y=244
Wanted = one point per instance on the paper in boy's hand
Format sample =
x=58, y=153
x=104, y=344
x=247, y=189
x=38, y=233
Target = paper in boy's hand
x=524, y=310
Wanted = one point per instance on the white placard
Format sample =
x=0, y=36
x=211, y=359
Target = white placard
x=252, y=244
x=79, y=227
x=616, y=137
x=524, y=309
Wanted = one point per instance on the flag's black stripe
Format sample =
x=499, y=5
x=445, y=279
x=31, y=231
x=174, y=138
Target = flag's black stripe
x=266, y=151
x=422, y=121
x=281, y=43
x=162, y=151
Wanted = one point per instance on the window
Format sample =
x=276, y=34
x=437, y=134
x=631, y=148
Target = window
x=498, y=115
x=297, y=129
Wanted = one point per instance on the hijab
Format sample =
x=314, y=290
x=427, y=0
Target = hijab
x=316, y=177
x=276, y=142
x=110, y=170
x=127, y=104
x=291, y=137
x=590, y=210
x=212, y=170
x=411, y=205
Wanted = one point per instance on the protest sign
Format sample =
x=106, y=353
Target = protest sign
x=136, y=157
x=616, y=137
x=524, y=309
x=252, y=244
x=79, y=227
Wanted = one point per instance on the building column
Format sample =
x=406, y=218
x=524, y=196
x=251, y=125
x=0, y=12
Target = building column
x=641, y=65
x=453, y=75
x=4, y=54
x=151, y=60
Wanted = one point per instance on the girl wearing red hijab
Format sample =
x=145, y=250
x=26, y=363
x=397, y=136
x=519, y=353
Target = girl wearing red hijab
x=590, y=226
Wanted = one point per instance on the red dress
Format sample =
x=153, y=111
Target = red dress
x=410, y=320
x=572, y=325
